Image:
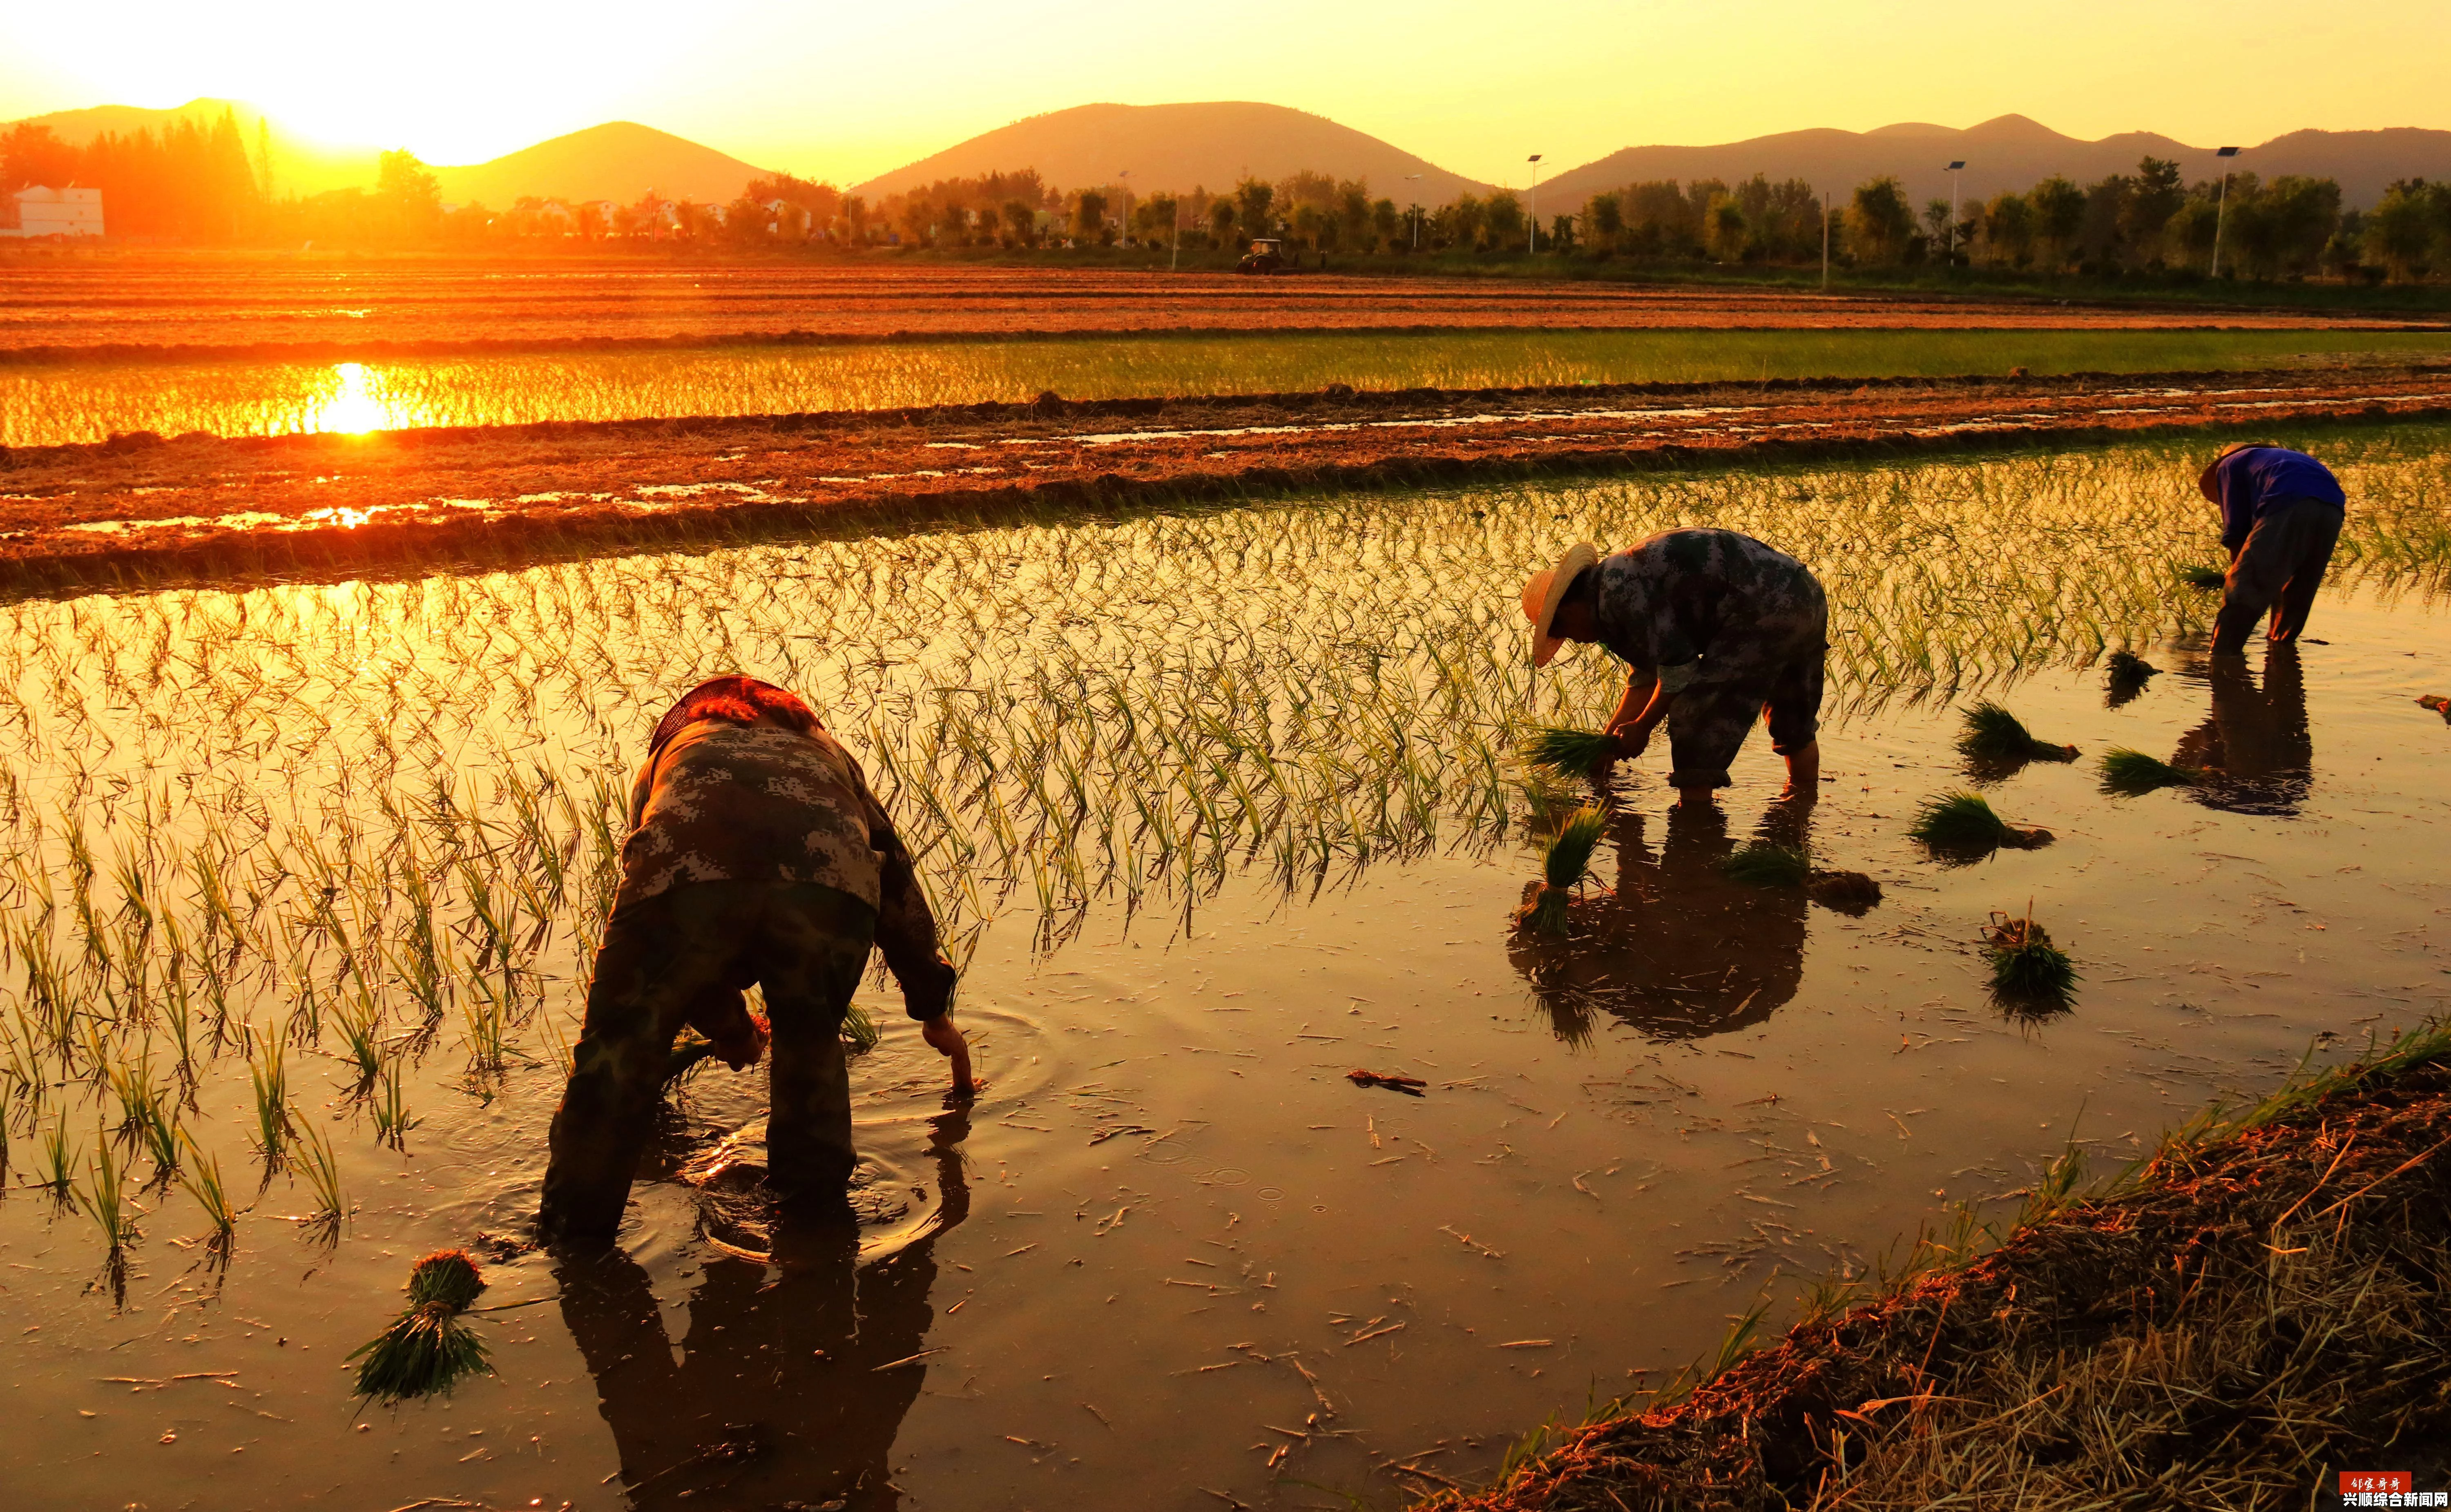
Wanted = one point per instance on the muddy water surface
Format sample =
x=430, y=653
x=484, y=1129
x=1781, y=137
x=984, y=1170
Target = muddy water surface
x=1173, y=1255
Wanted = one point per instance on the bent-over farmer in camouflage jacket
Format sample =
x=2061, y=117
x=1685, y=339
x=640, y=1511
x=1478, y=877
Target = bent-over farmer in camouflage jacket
x=756, y=853
x=1718, y=630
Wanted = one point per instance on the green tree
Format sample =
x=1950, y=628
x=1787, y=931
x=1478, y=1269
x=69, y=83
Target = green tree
x=1021, y=221
x=1353, y=215
x=31, y=154
x=2153, y=196
x=1252, y=203
x=1503, y=221
x=1222, y=215
x=2008, y=225
x=1090, y=215
x=2403, y=228
x=409, y=197
x=1879, y=224
x=1603, y=223
x=1386, y=221
x=1725, y=235
x=2058, y=208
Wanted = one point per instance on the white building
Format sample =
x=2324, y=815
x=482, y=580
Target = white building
x=39, y=212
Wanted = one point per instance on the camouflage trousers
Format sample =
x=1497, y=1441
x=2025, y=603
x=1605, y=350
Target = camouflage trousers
x=2279, y=570
x=1772, y=671
x=683, y=956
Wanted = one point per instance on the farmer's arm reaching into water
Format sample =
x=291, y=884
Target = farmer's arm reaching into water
x=905, y=931
x=1633, y=730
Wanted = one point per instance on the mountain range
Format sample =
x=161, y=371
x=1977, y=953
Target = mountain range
x=1215, y=144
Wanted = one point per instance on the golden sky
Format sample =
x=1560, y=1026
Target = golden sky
x=841, y=90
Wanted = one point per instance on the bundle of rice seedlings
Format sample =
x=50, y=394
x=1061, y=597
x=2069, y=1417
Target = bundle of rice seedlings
x=1569, y=858
x=2126, y=675
x=2028, y=969
x=1993, y=734
x=2195, y=575
x=2131, y=773
x=427, y=1348
x=1570, y=752
x=1764, y=865
x=1964, y=824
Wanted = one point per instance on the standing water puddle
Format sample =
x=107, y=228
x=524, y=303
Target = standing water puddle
x=1173, y=1255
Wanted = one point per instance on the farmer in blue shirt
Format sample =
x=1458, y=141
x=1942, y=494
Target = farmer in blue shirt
x=2281, y=515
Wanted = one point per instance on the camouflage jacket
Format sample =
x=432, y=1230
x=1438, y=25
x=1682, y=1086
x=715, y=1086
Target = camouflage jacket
x=1705, y=606
x=723, y=802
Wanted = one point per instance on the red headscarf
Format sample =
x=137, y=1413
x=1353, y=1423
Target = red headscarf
x=733, y=701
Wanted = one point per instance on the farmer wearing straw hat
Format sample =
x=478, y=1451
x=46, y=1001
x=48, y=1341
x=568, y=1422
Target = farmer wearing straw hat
x=2281, y=512
x=1717, y=629
x=756, y=853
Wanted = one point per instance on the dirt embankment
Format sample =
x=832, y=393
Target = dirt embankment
x=2263, y=1311
x=290, y=309
x=141, y=507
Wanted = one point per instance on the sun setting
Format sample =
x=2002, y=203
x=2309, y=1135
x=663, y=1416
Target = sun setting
x=1576, y=759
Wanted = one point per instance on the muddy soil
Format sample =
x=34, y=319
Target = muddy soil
x=201, y=503
x=195, y=307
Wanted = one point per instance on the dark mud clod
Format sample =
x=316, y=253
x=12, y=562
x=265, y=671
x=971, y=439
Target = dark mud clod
x=1409, y=1086
x=1849, y=892
x=2126, y=674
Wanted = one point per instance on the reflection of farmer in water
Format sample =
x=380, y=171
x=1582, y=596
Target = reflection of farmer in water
x=2280, y=515
x=1679, y=950
x=2256, y=741
x=1718, y=630
x=777, y=1399
x=756, y=853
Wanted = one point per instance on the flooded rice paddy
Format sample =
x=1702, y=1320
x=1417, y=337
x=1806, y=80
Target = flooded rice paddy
x=49, y=403
x=1218, y=805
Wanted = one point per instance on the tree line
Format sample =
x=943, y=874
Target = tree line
x=199, y=182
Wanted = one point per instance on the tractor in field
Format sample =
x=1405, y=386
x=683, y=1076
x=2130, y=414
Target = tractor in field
x=1267, y=255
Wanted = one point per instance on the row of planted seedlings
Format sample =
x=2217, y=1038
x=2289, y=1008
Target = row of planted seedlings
x=326, y=837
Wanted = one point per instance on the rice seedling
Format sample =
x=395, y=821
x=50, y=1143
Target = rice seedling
x=2029, y=973
x=58, y=1168
x=1966, y=825
x=859, y=1031
x=323, y=1180
x=1762, y=864
x=2200, y=576
x=1992, y=734
x=104, y=1198
x=202, y=1179
x=1571, y=752
x=1563, y=866
x=392, y=1121
x=274, y=1128
x=2130, y=774
x=427, y=1349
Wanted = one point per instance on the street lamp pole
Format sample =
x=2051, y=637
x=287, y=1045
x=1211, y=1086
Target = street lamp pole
x=1532, y=237
x=1414, y=180
x=2220, y=206
x=1953, y=169
x=1825, y=241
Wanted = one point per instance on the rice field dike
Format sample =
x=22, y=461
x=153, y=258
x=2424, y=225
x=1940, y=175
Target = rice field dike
x=1300, y=1165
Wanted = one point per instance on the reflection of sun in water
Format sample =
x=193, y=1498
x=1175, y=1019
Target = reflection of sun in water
x=353, y=408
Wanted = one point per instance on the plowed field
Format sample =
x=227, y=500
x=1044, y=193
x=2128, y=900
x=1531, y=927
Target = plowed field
x=67, y=511
x=326, y=308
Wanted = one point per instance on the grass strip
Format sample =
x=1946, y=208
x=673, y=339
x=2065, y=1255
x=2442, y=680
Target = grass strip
x=2258, y=1304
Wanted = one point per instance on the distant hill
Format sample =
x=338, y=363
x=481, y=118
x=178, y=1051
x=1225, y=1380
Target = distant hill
x=1181, y=147
x=2008, y=152
x=298, y=166
x=618, y=161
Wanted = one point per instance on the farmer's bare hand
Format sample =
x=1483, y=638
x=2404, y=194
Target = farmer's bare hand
x=1632, y=740
x=945, y=1036
x=742, y=1053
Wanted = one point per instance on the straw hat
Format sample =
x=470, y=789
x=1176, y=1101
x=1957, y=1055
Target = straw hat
x=1545, y=591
